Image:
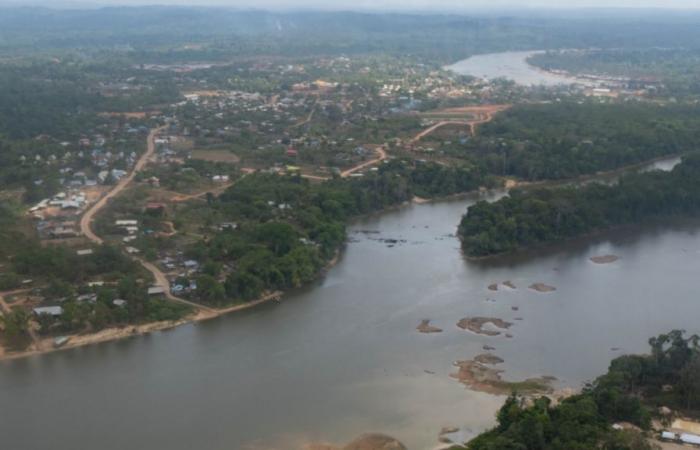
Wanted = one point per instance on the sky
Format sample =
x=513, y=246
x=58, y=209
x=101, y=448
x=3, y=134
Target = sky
x=410, y=5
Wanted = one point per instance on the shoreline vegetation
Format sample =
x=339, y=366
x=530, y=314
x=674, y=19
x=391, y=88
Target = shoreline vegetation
x=530, y=218
x=116, y=333
x=637, y=396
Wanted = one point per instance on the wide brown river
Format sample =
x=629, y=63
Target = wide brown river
x=343, y=356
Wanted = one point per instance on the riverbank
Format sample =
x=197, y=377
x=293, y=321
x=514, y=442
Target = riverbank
x=607, y=176
x=46, y=345
x=353, y=327
x=115, y=333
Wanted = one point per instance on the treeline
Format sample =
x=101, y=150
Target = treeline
x=530, y=217
x=151, y=32
x=287, y=228
x=672, y=71
x=61, y=98
x=634, y=387
x=566, y=140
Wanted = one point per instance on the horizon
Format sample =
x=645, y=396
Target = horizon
x=367, y=6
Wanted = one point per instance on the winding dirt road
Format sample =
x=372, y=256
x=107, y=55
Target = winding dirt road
x=482, y=114
x=382, y=156
x=86, y=221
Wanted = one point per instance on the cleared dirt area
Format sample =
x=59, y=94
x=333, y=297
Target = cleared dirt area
x=131, y=114
x=206, y=93
x=470, y=116
x=224, y=156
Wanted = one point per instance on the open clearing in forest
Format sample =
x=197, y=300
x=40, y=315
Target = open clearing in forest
x=470, y=116
x=224, y=156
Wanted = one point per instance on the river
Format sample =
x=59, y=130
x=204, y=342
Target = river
x=510, y=65
x=343, y=357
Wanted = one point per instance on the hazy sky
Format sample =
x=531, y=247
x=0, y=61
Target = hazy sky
x=390, y=4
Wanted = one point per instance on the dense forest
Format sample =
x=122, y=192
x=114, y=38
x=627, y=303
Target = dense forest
x=61, y=98
x=287, y=228
x=633, y=388
x=152, y=34
x=565, y=140
x=530, y=217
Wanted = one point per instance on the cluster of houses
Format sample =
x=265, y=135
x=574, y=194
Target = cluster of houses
x=180, y=269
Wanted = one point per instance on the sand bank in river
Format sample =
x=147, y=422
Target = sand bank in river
x=479, y=377
x=541, y=287
x=476, y=325
x=604, y=259
x=488, y=358
x=370, y=441
x=507, y=283
x=425, y=327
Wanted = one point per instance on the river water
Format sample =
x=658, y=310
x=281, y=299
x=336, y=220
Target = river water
x=510, y=65
x=343, y=357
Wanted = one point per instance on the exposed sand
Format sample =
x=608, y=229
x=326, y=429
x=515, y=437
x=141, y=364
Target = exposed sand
x=224, y=156
x=509, y=284
x=604, y=259
x=420, y=200
x=479, y=377
x=541, y=287
x=425, y=327
x=370, y=441
x=686, y=426
x=111, y=334
x=476, y=325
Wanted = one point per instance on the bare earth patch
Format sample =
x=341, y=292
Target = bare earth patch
x=425, y=327
x=541, y=287
x=224, y=156
x=476, y=325
x=604, y=259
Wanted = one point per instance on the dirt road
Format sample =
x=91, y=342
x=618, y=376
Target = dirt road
x=481, y=114
x=86, y=220
x=7, y=310
x=382, y=156
x=162, y=280
x=216, y=191
x=308, y=118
